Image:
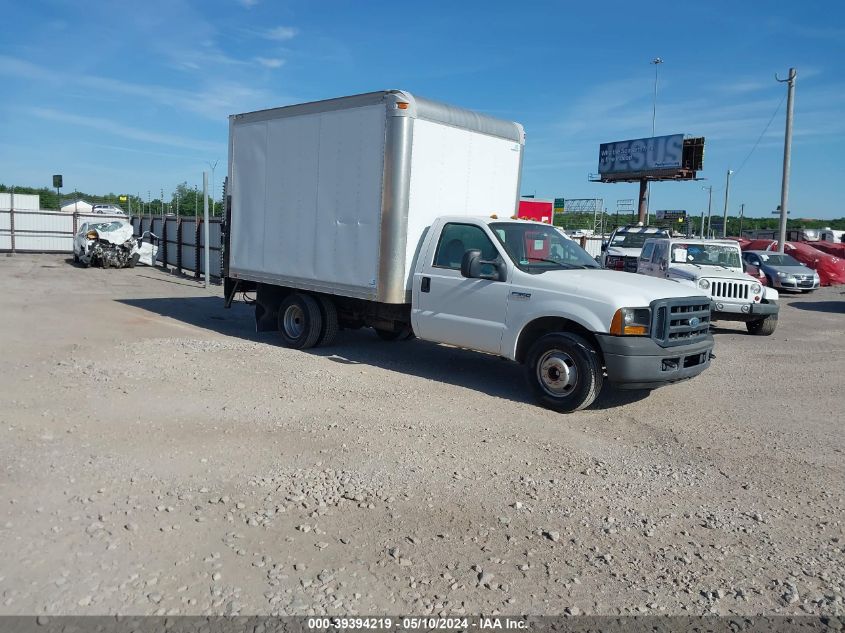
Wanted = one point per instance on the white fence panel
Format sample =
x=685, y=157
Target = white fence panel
x=593, y=246
x=53, y=231
x=5, y=233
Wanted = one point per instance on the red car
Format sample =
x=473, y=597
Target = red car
x=755, y=272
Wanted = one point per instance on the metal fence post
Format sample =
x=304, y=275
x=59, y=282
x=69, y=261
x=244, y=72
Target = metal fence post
x=179, y=245
x=164, y=241
x=197, y=248
x=12, y=226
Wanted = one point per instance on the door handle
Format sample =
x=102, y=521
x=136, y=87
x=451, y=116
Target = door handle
x=425, y=286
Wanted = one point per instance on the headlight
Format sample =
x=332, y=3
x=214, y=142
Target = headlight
x=631, y=322
x=703, y=284
x=756, y=288
x=780, y=274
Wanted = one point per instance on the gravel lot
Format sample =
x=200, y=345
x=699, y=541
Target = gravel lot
x=158, y=456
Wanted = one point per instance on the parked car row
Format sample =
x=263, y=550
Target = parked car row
x=743, y=286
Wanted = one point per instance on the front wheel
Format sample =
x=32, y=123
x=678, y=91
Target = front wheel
x=300, y=321
x=762, y=327
x=564, y=372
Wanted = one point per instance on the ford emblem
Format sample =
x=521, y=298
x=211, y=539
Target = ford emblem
x=694, y=321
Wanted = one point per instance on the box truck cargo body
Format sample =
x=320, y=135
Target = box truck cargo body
x=334, y=196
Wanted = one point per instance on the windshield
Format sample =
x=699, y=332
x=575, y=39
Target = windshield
x=105, y=226
x=633, y=240
x=536, y=249
x=706, y=254
x=777, y=259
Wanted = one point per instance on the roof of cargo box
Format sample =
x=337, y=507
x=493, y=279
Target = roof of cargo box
x=418, y=107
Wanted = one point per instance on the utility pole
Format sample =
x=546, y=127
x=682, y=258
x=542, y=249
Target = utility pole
x=787, y=155
x=709, y=208
x=727, y=195
x=741, y=213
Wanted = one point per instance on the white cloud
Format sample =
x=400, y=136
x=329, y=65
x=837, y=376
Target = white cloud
x=214, y=102
x=125, y=131
x=281, y=33
x=270, y=62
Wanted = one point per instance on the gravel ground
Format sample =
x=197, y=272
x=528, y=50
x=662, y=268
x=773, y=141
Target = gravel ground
x=159, y=457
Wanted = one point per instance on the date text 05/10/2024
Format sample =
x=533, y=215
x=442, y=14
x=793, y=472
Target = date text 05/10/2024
x=416, y=623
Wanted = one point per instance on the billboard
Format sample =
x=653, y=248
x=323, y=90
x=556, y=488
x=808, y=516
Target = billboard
x=673, y=215
x=641, y=155
x=538, y=210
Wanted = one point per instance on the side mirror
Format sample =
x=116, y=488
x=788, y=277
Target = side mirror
x=603, y=247
x=471, y=264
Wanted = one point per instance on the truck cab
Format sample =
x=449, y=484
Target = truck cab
x=524, y=291
x=715, y=267
x=623, y=247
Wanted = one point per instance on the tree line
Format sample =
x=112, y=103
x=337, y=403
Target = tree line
x=185, y=200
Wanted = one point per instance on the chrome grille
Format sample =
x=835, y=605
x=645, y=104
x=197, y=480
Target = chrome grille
x=680, y=321
x=730, y=290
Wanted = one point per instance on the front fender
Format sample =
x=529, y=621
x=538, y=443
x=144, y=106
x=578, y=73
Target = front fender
x=549, y=309
x=770, y=294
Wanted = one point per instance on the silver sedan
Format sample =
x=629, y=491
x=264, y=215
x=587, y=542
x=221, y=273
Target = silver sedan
x=783, y=271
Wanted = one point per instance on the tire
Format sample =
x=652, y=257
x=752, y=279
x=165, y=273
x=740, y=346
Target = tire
x=762, y=327
x=572, y=391
x=75, y=257
x=300, y=321
x=328, y=312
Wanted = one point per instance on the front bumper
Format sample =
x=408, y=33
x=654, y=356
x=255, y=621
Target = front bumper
x=811, y=284
x=735, y=312
x=634, y=362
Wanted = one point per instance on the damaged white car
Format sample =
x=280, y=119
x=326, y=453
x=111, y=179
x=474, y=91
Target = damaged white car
x=112, y=245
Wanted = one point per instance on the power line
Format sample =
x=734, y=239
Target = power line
x=762, y=134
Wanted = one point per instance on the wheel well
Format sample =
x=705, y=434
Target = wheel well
x=546, y=325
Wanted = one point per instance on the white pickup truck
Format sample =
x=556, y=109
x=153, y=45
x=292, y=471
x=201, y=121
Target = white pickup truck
x=716, y=267
x=383, y=210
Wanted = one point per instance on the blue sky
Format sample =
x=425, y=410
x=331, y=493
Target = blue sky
x=133, y=96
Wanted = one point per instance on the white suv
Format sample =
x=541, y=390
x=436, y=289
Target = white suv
x=714, y=266
x=622, y=249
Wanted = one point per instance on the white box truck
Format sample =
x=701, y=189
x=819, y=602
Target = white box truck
x=394, y=212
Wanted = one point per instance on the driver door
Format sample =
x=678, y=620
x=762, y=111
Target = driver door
x=449, y=308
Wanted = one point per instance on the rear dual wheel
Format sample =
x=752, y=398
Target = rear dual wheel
x=305, y=321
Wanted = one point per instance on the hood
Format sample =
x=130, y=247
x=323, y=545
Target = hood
x=693, y=272
x=789, y=270
x=116, y=236
x=610, y=286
